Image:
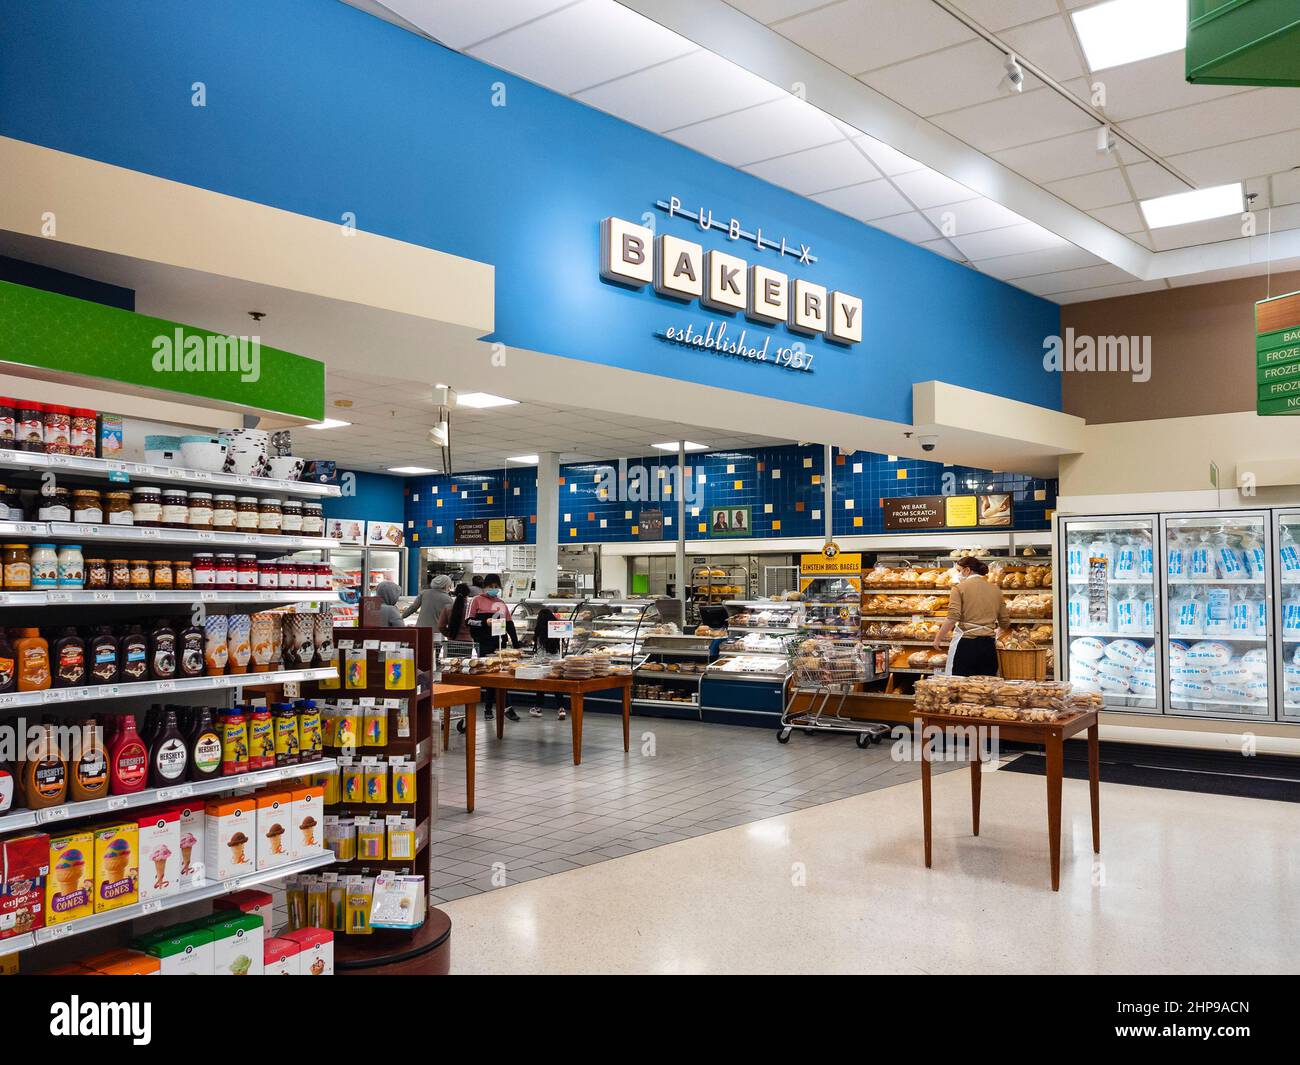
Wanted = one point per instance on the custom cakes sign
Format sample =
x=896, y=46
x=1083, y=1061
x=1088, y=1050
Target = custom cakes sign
x=683, y=270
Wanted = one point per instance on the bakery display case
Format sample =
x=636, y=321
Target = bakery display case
x=746, y=683
x=717, y=582
x=524, y=615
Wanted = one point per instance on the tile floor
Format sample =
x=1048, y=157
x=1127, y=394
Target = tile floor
x=537, y=813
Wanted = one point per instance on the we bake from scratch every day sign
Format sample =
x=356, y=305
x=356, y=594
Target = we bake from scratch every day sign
x=680, y=269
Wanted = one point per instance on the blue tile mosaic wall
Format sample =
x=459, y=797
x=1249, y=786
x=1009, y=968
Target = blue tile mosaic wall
x=781, y=486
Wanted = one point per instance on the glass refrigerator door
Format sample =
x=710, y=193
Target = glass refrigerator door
x=1219, y=655
x=1286, y=537
x=1111, y=615
x=384, y=564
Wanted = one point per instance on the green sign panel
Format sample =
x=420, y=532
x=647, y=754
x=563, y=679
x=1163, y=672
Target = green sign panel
x=1243, y=42
x=1277, y=355
x=74, y=339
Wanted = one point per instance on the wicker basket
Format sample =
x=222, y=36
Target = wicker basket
x=1023, y=664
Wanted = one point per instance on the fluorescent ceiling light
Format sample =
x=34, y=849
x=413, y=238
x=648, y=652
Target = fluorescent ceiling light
x=1194, y=206
x=672, y=446
x=1124, y=31
x=524, y=460
x=482, y=399
x=328, y=423
x=410, y=469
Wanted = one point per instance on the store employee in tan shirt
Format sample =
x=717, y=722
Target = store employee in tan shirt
x=979, y=613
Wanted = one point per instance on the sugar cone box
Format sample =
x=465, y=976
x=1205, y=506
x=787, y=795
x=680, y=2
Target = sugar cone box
x=230, y=838
x=249, y=900
x=160, y=853
x=280, y=957
x=317, y=951
x=187, y=954
x=238, y=944
x=70, y=887
x=117, y=865
x=191, y=826
x=275, y=828
x=308, y=821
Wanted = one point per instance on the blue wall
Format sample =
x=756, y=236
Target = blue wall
x=785, y=479
x=377, y=498
x=319, y=109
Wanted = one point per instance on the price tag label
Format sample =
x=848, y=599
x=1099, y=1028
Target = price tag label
x=204, y=536
x=59, y=931
x=58, y=597
x=77, y=694
x=165, y=686
x=152, y=906
x=4, y=597
x=54, y=695
x=370, y=645
x=560, y=630
x=149, y=534
x=142, y=470
x=52, y=813
x=59, y=460
x=246, y=481
x=234, y=885
x=292, y=689
x=498, y=626
x=182, y=791
x=102, y=597
x=243, y=780
x=146, y=597
x=208, y=597
x=200, y=475
x=8, y=456
x=367, y=700
x=119, y=476
x=117, y=802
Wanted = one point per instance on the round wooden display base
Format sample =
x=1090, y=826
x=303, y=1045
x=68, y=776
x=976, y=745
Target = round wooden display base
x=424, y=952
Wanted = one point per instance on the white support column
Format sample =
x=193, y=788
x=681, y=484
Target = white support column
x=681, y=526
x=828, y=495
x=548, y=522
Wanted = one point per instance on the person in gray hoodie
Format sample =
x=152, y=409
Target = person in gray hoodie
x=389, y=593
x=432, y=602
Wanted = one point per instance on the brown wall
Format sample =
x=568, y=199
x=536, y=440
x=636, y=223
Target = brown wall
x=1202, y=351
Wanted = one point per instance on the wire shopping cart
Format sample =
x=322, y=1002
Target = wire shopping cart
x=826, y=673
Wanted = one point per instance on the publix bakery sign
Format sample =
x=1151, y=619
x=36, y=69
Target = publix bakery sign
x=682, y=270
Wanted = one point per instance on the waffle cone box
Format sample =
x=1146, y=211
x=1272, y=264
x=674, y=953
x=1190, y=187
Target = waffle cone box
x=308, y=817
x=24, y=868
x=160, y=853
x=191, y=817
x=70, y=886
x=275, y=828
x=230, y=838
x=188, y=953
x=117, y=865
x=238, y=944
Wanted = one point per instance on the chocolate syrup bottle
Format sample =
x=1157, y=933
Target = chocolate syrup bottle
x=168, y=753
x=204, y=745
x=8, y=664
x=69, y=660
x=133, y=656
x=101, y=655
x=162, y=652
x=189, y=652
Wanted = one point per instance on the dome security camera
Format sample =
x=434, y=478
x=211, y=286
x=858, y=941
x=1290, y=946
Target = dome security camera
x=928, y=441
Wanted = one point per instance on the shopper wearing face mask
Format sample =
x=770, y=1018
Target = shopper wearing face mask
x=978, y=612
x=483, y=610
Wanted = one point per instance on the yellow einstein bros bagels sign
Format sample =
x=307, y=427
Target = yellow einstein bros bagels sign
x=830, y=563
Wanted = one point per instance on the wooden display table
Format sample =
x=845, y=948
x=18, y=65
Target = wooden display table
x=574, y=689
x=1052, y=736
x=445, y=696
x=385, y=952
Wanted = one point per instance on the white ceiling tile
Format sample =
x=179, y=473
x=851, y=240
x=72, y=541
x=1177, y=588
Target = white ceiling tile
x=1102, y=189
x=1152, y=85
x=1122, y=217
x=459, y=23
x=829, y=167
x=1072, y=280
x=771, y=10
x=776, y=128
x=942, y=81
x=1066, y=257
x=998, y=15
x=889, y=161
x=1012, y=240
x=928, y=188
x=974, y=216
x=860, y=35
x=911, y=226
x=583, y=45
x=1057, y=158
x=1049, y=44
x=1222, y=121
x=1087, y=295
x=870, y=200
x=1016, y=120
x=688, y=89
x=1286, y=187
x=1232, y=162
x=945, y=247
x=1149, y=180
x=1208, y=232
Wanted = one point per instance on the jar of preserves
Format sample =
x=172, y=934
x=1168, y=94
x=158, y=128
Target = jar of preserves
x=45, y=566
x=118, y=509
x=18, y=567
x=163, y=574
x=119, y=573
x=30, y=431
x=141, y=573
x=175, y=508
x=55, y=504
x=313, y=519
x=288, y=570
x=8, y=422
x=324, y=577
x=223, y=513
x=270, y=516
x=183, y=574
x=268, y=573
x=227, y=571
x=291, y=517
x=96, y=573
x=72, y=567
x=246, y=571
x=11, y=508
x=58, y=429
x=85, y=423
x=247, y=514
x=87, y=506
x=146, y=506
x=200, y=510
x=205, y=570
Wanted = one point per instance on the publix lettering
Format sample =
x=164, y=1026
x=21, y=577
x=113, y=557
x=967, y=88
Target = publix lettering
x=681, y=269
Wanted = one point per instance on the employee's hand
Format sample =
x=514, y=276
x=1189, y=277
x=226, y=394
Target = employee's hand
x=936, y=644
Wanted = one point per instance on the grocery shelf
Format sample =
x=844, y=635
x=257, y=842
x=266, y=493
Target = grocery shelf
x=134, y=534
x=1111, y=635
x=787, y=629
x=665, y=702
x=1220, y=637
x=100, y=597
x=178, y=686
x=207, y=890
x=113, y=469
x=1194, y=582
x=21, y=820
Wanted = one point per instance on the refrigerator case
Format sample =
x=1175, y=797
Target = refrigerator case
x=1286, y=616
x=1111, y=617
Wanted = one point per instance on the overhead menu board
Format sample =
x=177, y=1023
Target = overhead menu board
x=1277, y=355
x=917, y=513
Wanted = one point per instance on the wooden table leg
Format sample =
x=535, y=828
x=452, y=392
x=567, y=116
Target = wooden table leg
x=446, y=728
x=1094, y=786
x=925, y=790
x=975, y=777
x=627, y=717
x=575, y=715
x=471, y=733
x=1055, y=756
x=501, y=712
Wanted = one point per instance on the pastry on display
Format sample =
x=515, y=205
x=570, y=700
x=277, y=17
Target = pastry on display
x=997, y=699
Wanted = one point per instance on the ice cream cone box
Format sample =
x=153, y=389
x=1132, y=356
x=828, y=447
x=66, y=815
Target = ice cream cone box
x=160, y=853
x=70, y=886
x=230, y=837
x=136, y=965
x=187, y=954
x=238, y=944
x=275, y=828
x=117, y=865
x=308, y=816
x=280, y=957
x=24, y=869
x=250, y=900
x=191, y=821
x=316, y=951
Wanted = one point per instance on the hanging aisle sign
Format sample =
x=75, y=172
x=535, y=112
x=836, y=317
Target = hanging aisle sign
x=1277, y=355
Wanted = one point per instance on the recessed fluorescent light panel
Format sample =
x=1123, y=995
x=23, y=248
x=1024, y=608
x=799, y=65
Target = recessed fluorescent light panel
x=672, y=446
x=523, y=460
x=328, y=423
x=1194, y=206
x=483, y=399
x=410, y=470
x=1124, y=31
